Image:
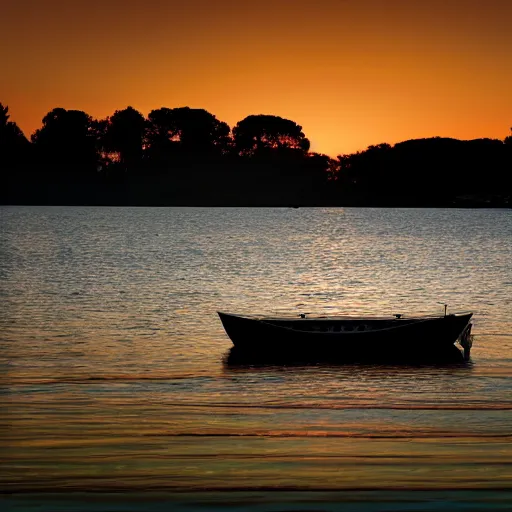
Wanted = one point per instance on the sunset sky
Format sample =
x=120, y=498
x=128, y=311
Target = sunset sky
x=351, y=72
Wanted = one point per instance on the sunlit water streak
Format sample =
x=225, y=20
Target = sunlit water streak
x=114, y=367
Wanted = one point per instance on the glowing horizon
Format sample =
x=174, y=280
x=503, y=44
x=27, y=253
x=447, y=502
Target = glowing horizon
x=350, y=73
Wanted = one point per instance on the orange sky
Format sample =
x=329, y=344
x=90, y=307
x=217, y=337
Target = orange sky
x=351, y=72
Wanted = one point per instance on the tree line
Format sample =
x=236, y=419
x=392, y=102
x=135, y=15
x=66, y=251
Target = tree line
x=188, y=156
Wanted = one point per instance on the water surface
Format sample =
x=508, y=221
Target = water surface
x=116, y=379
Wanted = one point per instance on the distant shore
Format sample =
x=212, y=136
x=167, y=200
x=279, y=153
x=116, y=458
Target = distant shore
x=211, y=193
x=187, y=157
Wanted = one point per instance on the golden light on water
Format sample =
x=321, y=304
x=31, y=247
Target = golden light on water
x=117, y=381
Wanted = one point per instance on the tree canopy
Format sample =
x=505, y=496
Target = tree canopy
x=125, y=135
x=181, y=132
x=13, y=144
x=258, y=133
x=67, y=140
x=190, y=150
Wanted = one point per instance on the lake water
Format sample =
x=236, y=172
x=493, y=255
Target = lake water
x=118, y=394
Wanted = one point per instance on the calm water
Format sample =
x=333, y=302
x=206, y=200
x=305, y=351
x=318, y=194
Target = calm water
x=115, y=377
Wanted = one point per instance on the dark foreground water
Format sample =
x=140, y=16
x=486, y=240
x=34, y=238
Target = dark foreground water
x=119, y=395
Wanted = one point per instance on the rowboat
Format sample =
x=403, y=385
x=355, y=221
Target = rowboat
x=348, y=336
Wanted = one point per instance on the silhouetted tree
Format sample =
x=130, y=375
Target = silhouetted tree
x=266, y=161
x=257, y=134
x=104, y=156
x=508, y=140
x=426, y=171
x=185, y=132
x=67, y=141
x=367, y=172
x=124, y=137
x=14, y=146
x=321, y=168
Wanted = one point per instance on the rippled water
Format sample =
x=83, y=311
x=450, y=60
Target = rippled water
x=115, y=374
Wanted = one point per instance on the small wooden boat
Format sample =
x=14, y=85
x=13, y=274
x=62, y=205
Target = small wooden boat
x=348, y=336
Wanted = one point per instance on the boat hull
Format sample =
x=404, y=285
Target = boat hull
x=301, y=338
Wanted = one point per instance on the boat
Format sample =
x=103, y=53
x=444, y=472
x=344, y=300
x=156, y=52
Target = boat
x=348, y=336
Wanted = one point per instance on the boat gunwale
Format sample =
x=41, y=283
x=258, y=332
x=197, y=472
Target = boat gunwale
x=403, y=318
x=401, y=323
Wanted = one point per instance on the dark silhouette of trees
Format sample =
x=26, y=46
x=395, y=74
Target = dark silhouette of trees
x=366, y=172
x=508, y=140
x=179, y=134
x=426, y=172
x=273, y=153
x=259, y=134
x=320, y=168
x=67, y=142
x=14, y=146
x=187, y=156
x=123, y=139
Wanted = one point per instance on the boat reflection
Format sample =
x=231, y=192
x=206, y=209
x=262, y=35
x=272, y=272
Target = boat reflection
x=237, y=358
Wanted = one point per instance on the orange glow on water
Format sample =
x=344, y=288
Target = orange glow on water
x=351, y=73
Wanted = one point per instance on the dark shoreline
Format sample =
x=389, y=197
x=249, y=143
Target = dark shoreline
x=164, y=192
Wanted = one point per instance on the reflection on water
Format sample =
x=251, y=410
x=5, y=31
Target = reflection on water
x=237, y=357
x=117, y=375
